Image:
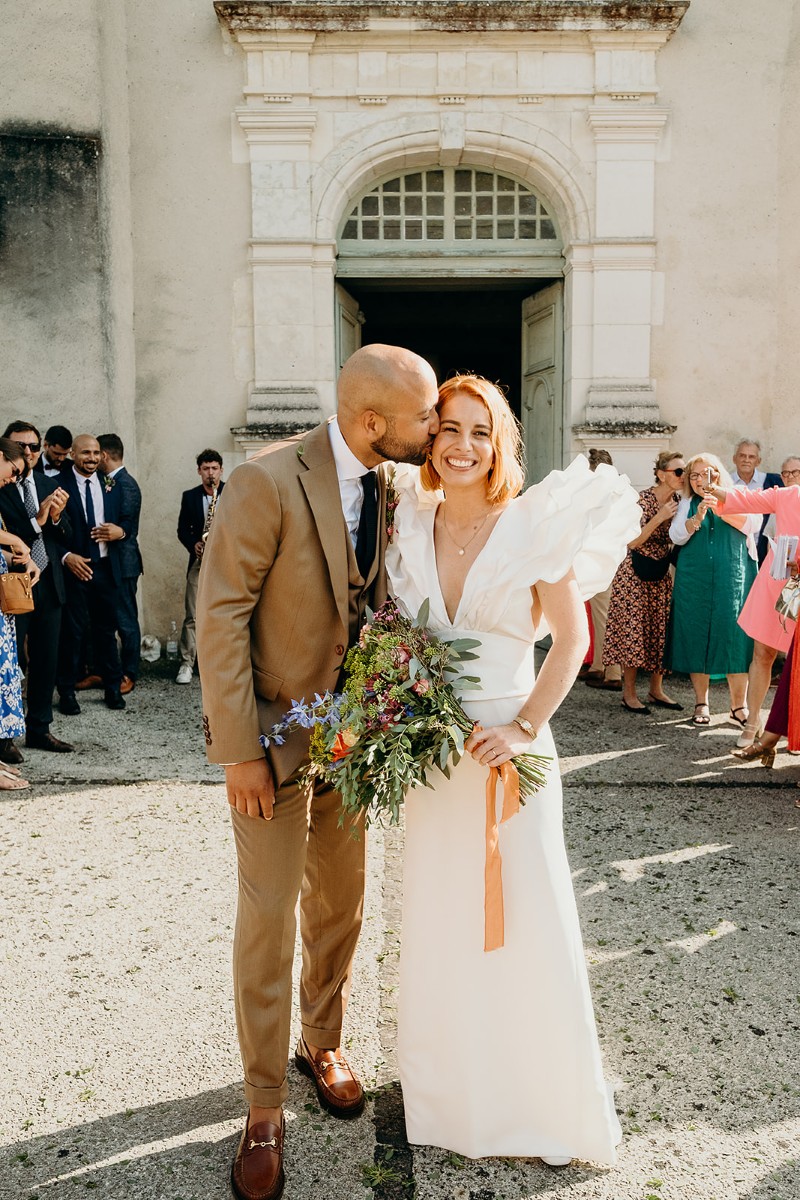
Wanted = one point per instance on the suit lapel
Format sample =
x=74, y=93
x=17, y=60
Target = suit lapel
x=15, y=503
x=321, y=486
x=200, y=515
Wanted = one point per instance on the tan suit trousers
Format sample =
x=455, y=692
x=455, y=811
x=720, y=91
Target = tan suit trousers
x=599, y=607
x=301, y=851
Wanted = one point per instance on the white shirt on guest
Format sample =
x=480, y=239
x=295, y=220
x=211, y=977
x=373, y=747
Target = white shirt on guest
x=755, y=484
x=350, y=471
x=97, y=498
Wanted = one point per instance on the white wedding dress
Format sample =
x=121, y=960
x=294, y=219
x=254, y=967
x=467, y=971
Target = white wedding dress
x=498, y=1051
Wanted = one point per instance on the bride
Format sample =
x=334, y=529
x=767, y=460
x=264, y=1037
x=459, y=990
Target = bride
x=498, y=1049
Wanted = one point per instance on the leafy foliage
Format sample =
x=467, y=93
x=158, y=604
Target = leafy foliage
x=397, y=719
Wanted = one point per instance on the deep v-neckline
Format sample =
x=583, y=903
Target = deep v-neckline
x=453, y=623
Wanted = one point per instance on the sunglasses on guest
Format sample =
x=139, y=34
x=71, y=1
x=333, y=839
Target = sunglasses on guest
x=34, y=447
x=16, y=472
x=675, y=471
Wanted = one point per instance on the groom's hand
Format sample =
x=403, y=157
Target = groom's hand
x=251, y=788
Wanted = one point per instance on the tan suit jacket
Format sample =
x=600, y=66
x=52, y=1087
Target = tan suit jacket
x=273, y=606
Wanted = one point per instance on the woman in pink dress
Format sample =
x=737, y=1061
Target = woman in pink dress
x=758, y=617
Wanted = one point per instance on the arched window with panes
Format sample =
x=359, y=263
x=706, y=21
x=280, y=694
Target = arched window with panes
x=449, y=209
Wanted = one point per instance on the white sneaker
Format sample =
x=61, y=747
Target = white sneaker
x=184, y=674
x=554, y=1161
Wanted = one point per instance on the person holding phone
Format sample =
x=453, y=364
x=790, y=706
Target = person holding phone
x=636, y=630
x=714, y=573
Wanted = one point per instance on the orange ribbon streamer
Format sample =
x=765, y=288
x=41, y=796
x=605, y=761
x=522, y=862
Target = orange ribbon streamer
x=494, y=921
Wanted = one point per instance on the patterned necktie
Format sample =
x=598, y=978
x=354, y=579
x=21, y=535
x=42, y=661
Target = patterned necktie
x=38, y=552
x=366, y=538
x=91, y=521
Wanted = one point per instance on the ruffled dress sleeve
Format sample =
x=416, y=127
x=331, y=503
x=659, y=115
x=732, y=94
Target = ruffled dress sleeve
x=575, y=519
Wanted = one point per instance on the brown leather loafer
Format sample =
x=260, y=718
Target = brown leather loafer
x=339, y=1091
x=91, y=681
x=127, y=685
x=257, y=1171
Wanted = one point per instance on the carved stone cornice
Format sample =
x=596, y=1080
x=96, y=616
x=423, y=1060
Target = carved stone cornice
x=267, y=16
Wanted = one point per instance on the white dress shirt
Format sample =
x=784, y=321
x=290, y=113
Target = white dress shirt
x=98, y=499
x=755, y=484
x=350, y=471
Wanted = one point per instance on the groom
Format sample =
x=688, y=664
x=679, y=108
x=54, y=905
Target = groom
x=294, y=557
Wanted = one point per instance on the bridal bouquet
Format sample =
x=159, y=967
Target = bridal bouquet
x=396, y=719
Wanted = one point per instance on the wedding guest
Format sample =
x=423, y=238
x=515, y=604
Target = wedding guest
x=715, y=570
x=595, y=674
x=783, y=720
x=55, y=450
x=126, y=556
x=95, y=513
x=641, y=592
x=33, y=509
x=12, y=722
x=194, y=520
x=758, y=617
x=746, y=473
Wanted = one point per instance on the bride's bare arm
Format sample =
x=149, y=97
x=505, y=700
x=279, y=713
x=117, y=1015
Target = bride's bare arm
x=563, y=609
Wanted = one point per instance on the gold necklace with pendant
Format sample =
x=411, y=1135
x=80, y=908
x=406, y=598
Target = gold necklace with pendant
x=459, y=547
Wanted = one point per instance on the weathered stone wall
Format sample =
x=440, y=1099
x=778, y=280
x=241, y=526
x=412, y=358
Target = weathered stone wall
x=191, y=222
x=123, y=244
x=52, y=274
x=725, y=349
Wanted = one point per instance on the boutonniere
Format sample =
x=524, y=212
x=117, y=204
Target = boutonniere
x=300, y=449
x=392, y=501
x=108, y=483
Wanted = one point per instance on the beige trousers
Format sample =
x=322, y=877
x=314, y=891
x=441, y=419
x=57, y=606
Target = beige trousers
x=599, y=606
x=301, y=851
x=188, y=642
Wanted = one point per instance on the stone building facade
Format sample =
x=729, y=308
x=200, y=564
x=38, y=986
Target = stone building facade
x=208, y=208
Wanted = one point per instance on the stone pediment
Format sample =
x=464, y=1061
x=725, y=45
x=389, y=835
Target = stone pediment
x=255, y=16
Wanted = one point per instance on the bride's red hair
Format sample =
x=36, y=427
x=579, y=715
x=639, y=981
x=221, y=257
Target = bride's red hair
x=507, y=476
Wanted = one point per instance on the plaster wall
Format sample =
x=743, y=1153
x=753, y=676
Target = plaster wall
x=53, y=270
x=726, y=354
x=190, y=210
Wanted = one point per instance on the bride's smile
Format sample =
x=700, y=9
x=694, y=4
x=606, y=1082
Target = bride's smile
x=462, y=450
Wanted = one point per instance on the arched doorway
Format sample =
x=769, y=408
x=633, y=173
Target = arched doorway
x=465, y=266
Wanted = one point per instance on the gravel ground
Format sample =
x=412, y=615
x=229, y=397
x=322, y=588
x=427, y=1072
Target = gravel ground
x=121, y=1071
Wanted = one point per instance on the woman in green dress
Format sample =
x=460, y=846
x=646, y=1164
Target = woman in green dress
x=716, y=567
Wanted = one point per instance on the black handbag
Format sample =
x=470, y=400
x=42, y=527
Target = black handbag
x=649, y=570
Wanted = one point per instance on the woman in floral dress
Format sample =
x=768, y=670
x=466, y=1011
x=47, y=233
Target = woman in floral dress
x=638, y=611
x=12, y=721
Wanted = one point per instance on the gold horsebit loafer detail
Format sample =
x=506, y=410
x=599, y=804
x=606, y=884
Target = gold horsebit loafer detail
x=341, y=1097
x=257, y=1172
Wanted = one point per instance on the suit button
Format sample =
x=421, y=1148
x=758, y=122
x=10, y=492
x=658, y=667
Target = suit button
x=338, y=650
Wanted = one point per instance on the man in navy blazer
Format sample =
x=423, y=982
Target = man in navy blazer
x=93, y=575
x=126, y=557
x=195, y=506
x=746, y=473
x=33, y=509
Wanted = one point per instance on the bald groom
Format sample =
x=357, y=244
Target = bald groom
x=294, y=557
